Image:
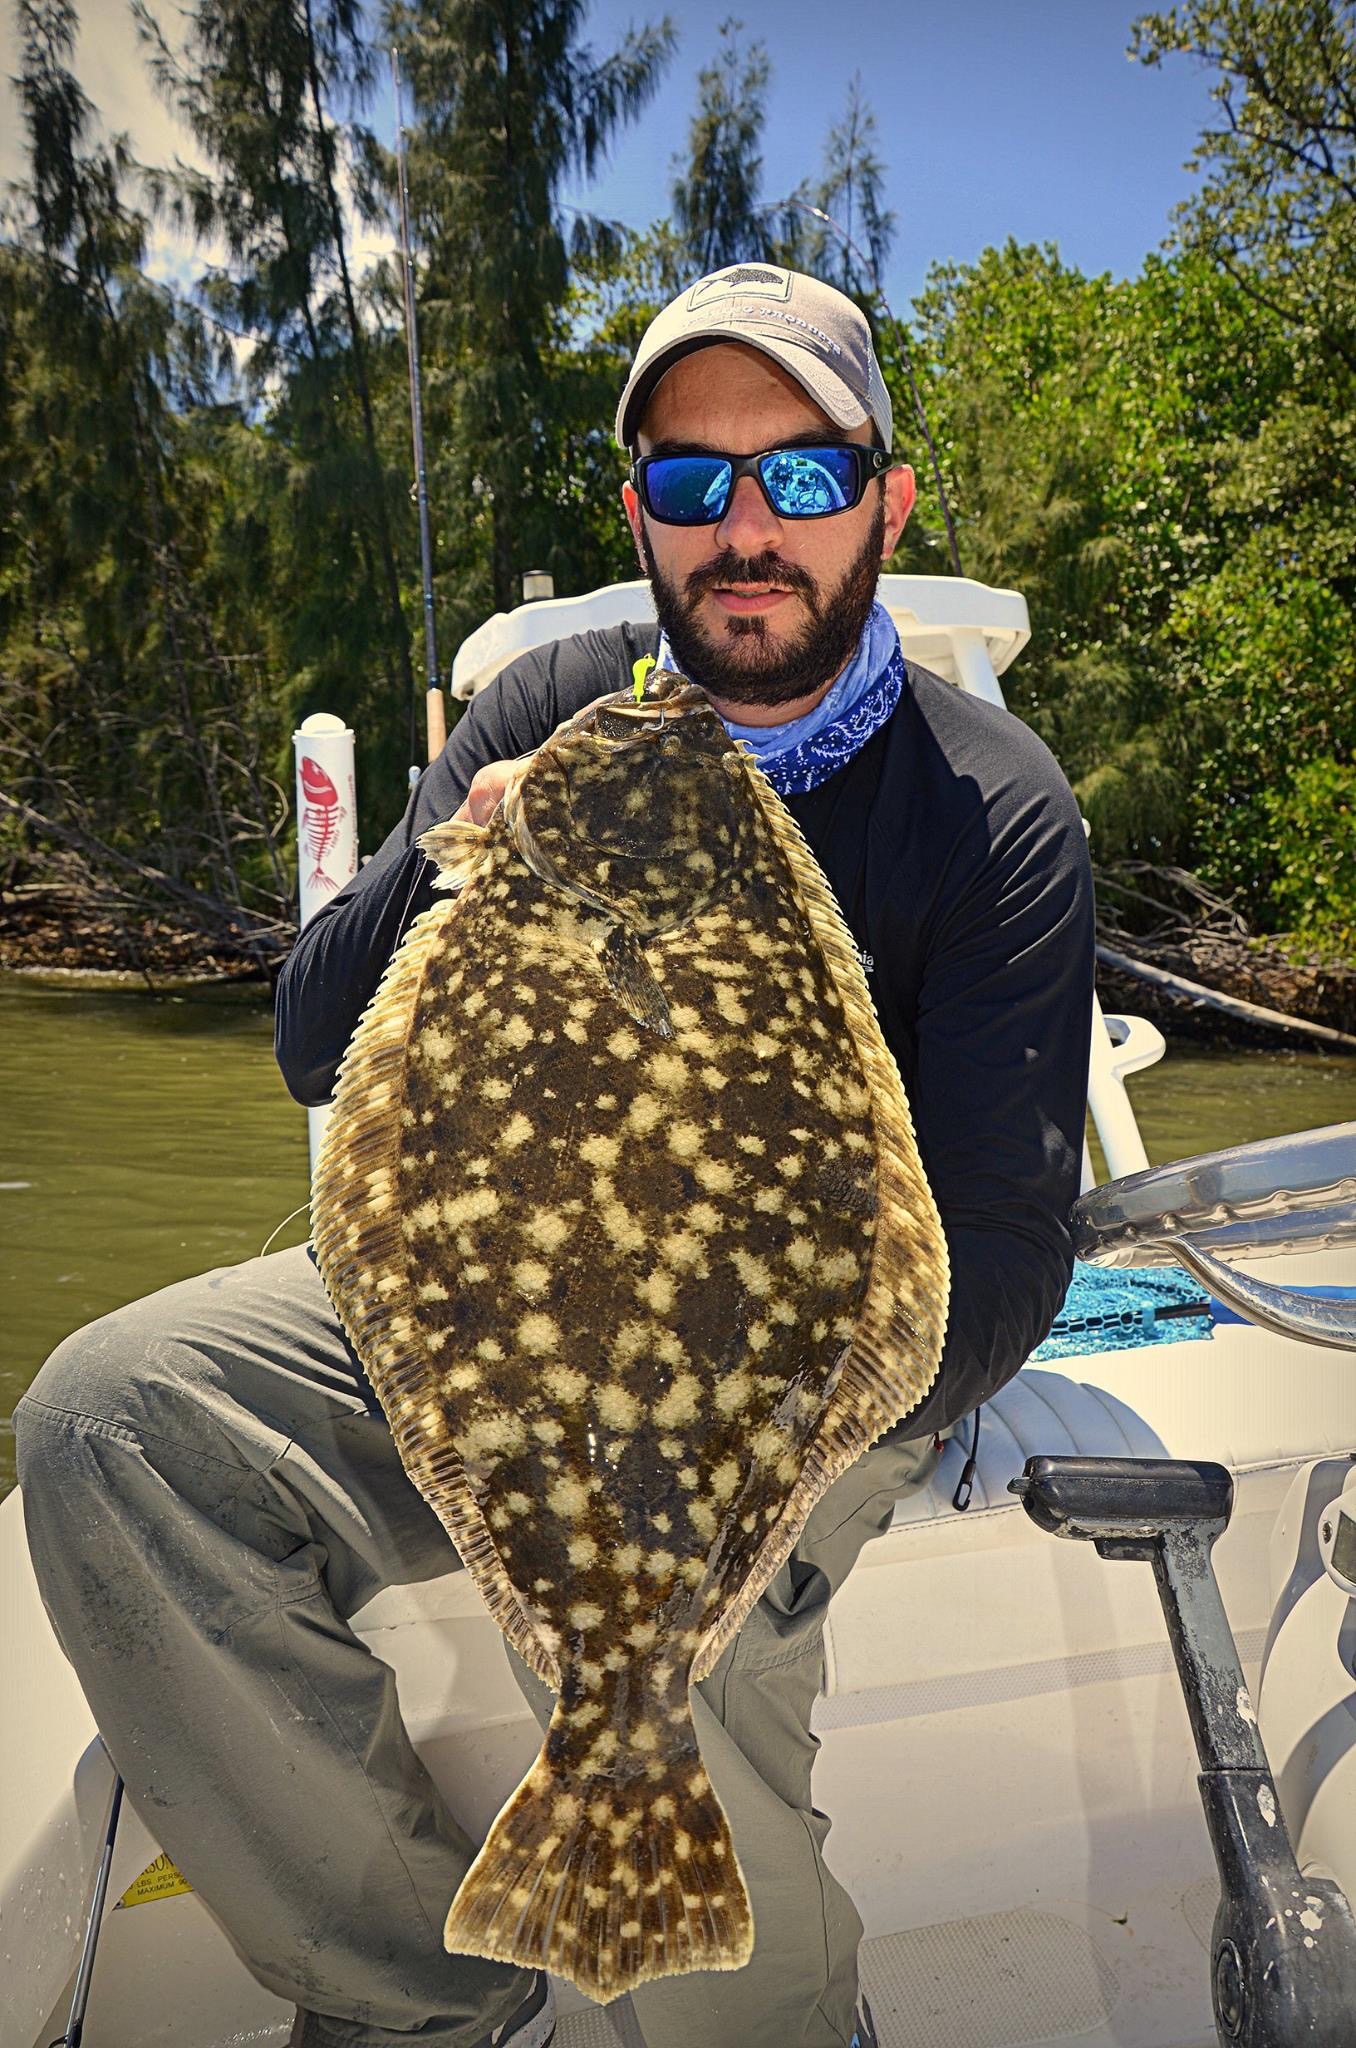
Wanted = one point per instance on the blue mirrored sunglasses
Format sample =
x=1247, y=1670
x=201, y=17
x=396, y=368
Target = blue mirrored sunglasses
x=798, y=483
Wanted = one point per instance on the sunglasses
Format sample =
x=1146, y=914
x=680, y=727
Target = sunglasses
x=798, y=483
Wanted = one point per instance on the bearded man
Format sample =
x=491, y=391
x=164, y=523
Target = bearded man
x=211, y=1465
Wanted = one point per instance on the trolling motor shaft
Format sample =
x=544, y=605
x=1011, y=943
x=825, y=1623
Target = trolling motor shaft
x=1283, y=1951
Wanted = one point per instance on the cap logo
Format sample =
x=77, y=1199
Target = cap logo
x=744, y=281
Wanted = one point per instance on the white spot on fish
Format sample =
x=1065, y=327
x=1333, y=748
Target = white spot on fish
x=537, y=1334
x=680, y=1404
x=567, y=1498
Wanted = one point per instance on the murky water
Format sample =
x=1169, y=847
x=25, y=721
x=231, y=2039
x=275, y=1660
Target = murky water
x=143, y=1139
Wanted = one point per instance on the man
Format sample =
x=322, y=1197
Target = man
x=211, y=1490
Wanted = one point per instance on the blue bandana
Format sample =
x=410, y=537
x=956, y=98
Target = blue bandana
x=801, y=754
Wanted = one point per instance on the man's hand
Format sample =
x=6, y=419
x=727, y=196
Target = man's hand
x=486, y=793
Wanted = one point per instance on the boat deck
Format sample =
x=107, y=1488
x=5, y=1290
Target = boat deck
x=1006, y=1979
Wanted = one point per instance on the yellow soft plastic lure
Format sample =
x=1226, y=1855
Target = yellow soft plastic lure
x=639, y=670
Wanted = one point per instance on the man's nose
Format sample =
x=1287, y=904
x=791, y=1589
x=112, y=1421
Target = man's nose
x=749, y=526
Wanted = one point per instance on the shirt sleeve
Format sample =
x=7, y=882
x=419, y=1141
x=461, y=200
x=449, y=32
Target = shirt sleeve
x=999, y=1081
x=332, y=972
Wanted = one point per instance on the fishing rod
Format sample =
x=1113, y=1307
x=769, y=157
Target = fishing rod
x=868, y=263
x=435, y=708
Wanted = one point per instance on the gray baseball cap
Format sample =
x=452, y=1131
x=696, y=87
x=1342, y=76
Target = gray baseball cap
x=813, y=331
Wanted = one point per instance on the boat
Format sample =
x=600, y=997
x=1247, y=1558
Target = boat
x=1007, y=1753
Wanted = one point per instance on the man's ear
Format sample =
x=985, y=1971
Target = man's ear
x=634, y=515
x=900, y=492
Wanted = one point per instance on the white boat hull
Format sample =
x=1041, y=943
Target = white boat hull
x=1006, y=1753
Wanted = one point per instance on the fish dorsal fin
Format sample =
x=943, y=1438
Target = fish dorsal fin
x=892, y=1360
x=631, y=979
x=358, y=1240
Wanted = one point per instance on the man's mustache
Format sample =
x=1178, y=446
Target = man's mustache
x=766, y=568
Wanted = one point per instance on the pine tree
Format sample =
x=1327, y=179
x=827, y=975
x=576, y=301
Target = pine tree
x=851, y=190
x=124, y=721
x=260, y=83
x=510, y=106
x=715, y=197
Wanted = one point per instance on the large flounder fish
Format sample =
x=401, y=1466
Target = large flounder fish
x=621, y=1208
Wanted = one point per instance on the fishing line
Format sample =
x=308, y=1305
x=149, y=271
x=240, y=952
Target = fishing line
x=300, y=1208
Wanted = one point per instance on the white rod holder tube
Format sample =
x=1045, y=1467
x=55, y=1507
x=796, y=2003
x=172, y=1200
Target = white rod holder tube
x=327, y=831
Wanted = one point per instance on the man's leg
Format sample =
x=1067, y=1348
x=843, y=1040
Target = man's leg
x=210, y=1492
x=753, y=1723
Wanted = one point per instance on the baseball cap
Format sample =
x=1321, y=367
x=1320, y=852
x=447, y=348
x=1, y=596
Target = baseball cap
x=817, y=334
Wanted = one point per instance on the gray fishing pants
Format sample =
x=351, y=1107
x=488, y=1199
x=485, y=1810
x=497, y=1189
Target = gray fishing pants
x=211, y=1493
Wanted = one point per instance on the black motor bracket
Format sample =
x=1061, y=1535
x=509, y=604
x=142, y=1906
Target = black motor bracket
x=1283, y=1951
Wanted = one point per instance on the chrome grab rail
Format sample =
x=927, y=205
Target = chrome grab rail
x=1294, y=1194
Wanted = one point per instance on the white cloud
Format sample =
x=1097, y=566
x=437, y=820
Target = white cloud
x=111, y=67
x=110, y=63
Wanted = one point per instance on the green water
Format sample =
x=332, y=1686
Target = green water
x=143, y=1139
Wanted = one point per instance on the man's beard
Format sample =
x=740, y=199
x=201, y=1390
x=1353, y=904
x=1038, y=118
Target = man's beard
x=744, y=665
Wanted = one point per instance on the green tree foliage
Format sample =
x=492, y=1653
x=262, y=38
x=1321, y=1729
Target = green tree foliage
x=1263, y=644
x=510, y=105
x=716, y=194
x=1132, y=457
x=124, y=706
x=1313, y=844
x=1277, y=203
x=205, y=527
x=258, y=83
x=851, y=191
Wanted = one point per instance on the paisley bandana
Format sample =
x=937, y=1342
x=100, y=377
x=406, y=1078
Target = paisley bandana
x=798, y=756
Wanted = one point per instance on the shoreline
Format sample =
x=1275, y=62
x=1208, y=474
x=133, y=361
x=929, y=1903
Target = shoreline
x=52, y=943
x=47, y=937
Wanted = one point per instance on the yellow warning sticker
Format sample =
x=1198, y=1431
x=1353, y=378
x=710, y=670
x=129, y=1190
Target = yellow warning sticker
x=159, y=1880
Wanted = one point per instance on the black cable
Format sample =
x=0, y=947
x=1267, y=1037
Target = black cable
x=965, y=1485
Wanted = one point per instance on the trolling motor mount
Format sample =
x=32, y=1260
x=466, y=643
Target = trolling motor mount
x=1283, y=1950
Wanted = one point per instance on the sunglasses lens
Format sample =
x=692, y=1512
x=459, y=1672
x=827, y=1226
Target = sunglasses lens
x=805, y=483
x=687, y=490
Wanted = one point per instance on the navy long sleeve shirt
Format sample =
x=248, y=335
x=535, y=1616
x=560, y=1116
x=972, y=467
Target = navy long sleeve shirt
x=956, y=852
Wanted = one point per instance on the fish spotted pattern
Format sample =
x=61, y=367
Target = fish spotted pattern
x=621, y=1208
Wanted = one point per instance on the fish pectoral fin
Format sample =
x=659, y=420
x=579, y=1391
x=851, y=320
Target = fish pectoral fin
x=455, y=846
x=631, y=979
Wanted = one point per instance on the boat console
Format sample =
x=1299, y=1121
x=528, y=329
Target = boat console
x=1291, y=1195
x=1283, y=1945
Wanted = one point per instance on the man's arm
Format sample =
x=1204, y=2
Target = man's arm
x=332, y=972
x=336, y=964
x=999, y=1090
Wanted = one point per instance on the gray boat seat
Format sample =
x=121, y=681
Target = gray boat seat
x=1038, y=1412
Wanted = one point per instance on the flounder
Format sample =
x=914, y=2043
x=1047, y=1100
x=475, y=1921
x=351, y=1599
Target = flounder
x=621, y=1208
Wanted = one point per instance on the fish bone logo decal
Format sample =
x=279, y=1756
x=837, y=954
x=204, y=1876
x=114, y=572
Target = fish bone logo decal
x=320, y=820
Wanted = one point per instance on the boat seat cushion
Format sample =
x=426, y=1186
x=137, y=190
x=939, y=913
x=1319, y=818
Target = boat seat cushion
x=1037, y=1413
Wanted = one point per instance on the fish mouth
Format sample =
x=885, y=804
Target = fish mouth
x=621, y=717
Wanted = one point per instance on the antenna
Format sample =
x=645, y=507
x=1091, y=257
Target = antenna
x=868, y=264
x=435, y=709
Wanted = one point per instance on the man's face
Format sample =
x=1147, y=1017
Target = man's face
x=760, y=610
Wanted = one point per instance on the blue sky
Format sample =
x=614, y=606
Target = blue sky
x=994, y=118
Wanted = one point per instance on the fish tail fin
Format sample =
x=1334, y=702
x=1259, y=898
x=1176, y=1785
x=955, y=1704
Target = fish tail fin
x=608, y=1881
